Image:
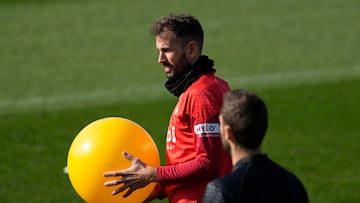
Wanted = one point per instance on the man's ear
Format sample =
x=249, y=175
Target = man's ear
x=192, y=50
x=228, y=134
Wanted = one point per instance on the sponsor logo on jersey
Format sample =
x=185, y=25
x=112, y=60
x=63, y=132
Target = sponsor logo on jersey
x=207, y=129
x=171, y=139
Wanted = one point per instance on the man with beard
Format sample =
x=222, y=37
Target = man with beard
x=194, y=152
x=255, y=177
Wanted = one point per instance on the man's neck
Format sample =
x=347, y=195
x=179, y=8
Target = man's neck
x=238, y=153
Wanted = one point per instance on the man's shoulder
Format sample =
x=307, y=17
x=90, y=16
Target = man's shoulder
x=209, y=83
x=211, y=79
x=222, y=189
x=230, y=180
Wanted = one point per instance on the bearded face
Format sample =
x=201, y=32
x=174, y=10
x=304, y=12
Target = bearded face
x=172, y=54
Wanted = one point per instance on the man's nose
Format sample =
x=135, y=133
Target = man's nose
x=161, y=58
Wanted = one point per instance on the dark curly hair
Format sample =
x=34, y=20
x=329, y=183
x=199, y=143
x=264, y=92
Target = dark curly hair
x=186, y=27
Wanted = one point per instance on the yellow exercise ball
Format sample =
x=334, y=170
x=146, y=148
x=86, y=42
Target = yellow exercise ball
x=98, y=148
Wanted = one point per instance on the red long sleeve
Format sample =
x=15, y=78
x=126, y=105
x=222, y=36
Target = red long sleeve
x=200, y=168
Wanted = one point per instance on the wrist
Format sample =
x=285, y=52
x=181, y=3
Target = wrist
x=152, y=174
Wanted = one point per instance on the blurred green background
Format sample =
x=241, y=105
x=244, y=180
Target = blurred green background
x=64, y=64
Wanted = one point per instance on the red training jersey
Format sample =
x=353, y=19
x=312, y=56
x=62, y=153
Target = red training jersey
x=194, y=152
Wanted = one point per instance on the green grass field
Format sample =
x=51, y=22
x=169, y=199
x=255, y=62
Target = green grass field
x=64, y=64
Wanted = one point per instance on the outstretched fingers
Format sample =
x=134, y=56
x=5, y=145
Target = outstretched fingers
x=121, y=172
x=134, y=160
x=120, y=189
x=128, y=156
x=113, y=173
x=135, y=177
x=126, y=185
x=123, y=188
x=114, y=182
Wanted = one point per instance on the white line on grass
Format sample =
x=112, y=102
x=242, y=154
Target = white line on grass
x=147, y=93
x=283, y=79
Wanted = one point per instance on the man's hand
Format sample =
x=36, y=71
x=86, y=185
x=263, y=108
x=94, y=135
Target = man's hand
x=138, y=175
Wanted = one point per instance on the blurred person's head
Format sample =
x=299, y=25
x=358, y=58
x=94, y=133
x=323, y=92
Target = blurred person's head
x=244, y=118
